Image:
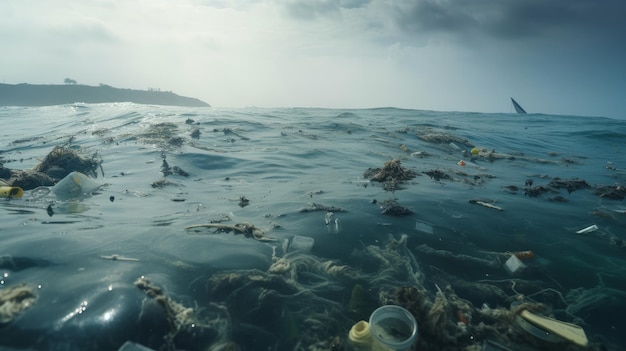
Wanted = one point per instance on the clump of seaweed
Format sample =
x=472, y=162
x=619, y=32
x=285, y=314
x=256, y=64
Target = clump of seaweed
x=14, y=300
x=60, y=162
x=613, y=192
x=162, y=134
x=285, y=303
x=438, y=175
x=570, y=185
x=391, y=171
x=391, y=207
x=185, y=329
x=436, y=137
x=63, y=160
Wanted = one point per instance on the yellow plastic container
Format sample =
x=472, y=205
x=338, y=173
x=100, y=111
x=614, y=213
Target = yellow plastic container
x=13, y=192
x=360, y=337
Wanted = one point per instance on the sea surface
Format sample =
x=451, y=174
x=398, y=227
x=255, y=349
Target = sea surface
x=127, y=262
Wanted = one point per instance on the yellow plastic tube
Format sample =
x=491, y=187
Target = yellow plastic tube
x=360, y=336
x=14, y=192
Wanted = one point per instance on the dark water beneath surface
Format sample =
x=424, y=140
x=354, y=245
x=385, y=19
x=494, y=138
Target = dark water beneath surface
x=282, y=161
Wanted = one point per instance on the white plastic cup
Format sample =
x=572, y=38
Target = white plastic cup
x=74, y=185
x=393, y=328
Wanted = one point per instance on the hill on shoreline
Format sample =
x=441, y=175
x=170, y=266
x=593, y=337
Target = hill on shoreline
x=46, y=95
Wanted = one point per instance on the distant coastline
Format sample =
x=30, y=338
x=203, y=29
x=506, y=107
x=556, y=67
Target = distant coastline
x=46, y=95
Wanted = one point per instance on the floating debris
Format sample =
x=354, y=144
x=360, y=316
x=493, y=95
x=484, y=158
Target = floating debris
x=486, y=203
x=162, y=183
x=589, y=229
x=524, y=255
x=538, y=190
x=570, y=185
x=60, y=162
x=558, y=198
x=392, y=208
x=228, y=131
x=166, y=170
x=162, y=134
x=391, y=171
x=612, y=192
x=443, y=138
x=313, y=207
x=116, y=257
x=247, y=229
x=329, y=217
x=437, y=175
x=243, y=201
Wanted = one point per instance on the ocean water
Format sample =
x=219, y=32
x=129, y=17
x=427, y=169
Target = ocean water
x=283, y=170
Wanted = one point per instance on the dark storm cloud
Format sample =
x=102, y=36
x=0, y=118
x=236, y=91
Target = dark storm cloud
x=511, y=19
x=310, y=9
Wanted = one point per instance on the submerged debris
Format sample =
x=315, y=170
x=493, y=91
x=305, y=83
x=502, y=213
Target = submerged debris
x=116, y=257
x=184, y=326
x=14, y=300
x=247, y=229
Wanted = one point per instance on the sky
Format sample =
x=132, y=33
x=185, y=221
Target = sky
x=565, y=57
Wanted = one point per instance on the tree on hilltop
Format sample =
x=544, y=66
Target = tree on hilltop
x=69, y=81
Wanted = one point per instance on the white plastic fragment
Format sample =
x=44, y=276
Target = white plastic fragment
x=424, y=227
x=589, y=229
x=302, y=243
x=74, y=185
x=513, y=264
x=329, y=217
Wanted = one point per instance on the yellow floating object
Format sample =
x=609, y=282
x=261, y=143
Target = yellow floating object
x=567, y=331
x=14, y=192
x=475, y=151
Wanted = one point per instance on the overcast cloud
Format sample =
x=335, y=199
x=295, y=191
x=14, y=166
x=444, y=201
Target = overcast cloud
x=557, y=56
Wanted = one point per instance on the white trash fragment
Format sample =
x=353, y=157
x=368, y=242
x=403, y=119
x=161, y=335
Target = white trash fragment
x=589, y=229
x=513, y=264
x=301, y=243
x=329, y=217
x=424, y=227
x=74, y=185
